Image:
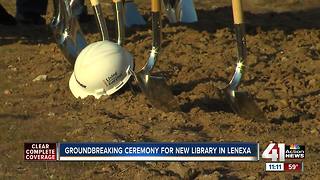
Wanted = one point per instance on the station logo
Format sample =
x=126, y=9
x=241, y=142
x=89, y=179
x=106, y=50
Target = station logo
x=294, y=151
x=280, y=152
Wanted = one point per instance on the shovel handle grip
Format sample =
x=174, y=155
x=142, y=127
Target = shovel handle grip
x=155, y=5
x=116, y=1
x=94, y=2
x=237, y=12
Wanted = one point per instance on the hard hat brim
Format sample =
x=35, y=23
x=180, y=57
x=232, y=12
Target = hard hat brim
x=119, y=86
x=79, y=91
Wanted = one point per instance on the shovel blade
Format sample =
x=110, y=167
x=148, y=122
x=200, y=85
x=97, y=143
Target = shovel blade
x=180, y=11
x=67, y=31
x=169, y=9
x=132, y=15
x=158, y=92
x=243, y=104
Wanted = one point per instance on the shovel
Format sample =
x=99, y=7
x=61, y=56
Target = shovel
x=132, y=15
x=155, y=87
x=169, y=9
x=241, y=103
x=180, y=11
x=118, y=9
x=66, y=31
x=100, y=19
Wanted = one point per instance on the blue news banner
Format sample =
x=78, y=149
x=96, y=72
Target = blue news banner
x=235, y=151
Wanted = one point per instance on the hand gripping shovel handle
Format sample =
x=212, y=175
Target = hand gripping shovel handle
x=120, y=20
x=100, y=19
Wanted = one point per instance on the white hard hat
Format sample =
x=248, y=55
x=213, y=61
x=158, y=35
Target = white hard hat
x=101, y=68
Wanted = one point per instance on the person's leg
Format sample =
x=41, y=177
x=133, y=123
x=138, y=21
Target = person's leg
x=83, y=15
x=5, y=17
x=30, y=11
x=80, y=10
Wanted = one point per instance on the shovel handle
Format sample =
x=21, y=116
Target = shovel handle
x=237, y=11
x=100, y=19
x=238, y=19
x=155, y=5
x=241, y=45
x=156, y=24
x=119, y=12
x=156, y=36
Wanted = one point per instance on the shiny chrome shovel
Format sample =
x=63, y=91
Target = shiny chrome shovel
x=170, y=10
x=180, y=11
x=100, y=19
x=241, y=103
x=66, y=31
x=132, y=15
x=118, y=9
x=155, y=87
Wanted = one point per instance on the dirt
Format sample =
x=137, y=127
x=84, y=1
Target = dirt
x=282, y=74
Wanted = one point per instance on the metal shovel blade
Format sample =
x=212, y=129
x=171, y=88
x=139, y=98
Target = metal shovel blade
x=157, y=91
x=169, y=9
x=186, y=11
x=132, y=15
x=67, y=31
x=243, y=104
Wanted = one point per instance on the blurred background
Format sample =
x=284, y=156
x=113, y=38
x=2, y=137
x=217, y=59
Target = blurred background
x=257, y=6
x=262, y=6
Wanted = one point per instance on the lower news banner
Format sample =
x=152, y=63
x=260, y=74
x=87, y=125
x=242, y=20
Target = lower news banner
x=158, y=151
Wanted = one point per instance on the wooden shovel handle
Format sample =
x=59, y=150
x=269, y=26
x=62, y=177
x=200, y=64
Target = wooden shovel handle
x=237, y=12
x=94, y=2
x=155, y=5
